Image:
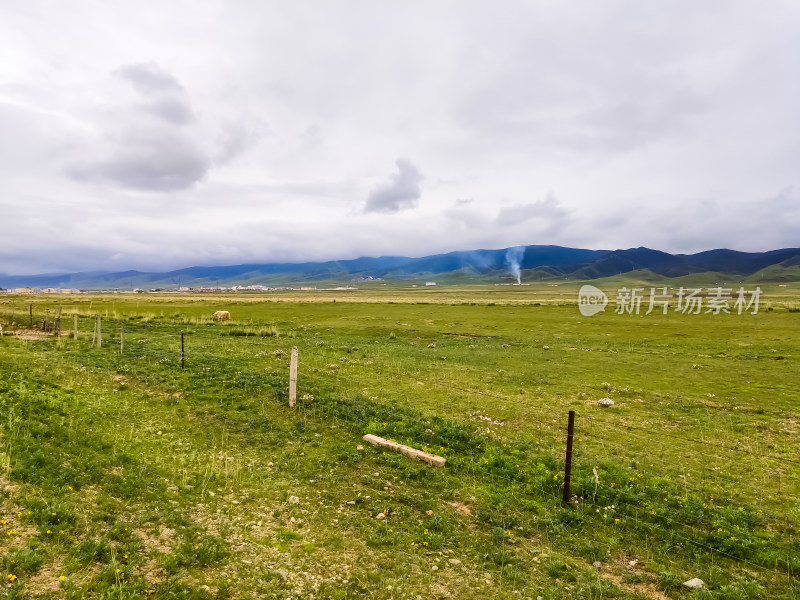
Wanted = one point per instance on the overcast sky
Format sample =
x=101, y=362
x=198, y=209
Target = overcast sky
x=155, y=135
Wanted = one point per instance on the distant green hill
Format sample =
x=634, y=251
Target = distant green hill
x=530, y=263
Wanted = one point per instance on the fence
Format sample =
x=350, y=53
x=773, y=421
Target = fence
x=688, y=490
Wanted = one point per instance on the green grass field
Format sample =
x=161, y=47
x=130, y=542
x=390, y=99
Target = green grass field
x=123, y=475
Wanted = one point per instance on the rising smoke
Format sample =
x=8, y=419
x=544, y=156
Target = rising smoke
x=514, y=260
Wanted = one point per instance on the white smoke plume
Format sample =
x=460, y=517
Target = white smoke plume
x=514, y=258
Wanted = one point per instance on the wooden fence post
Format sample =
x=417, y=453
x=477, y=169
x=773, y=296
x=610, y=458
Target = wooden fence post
x=58, y=323
x=293, y=378
x=75, y=327
x=121, y=339
x=99, y=332
x=568, y=462
x=183, y=355
x=30, y=309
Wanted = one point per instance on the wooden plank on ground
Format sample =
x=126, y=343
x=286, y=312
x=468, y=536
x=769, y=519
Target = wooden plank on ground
x=431, y=459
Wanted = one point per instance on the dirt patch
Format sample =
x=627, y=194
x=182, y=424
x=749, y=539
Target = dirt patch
x=6, y=484
x=45, y=581
x=155, y=546
x=644, y=588
x=32, y=334
x=464, y=509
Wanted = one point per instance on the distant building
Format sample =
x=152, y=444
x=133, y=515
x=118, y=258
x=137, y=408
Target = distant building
x=430, y=283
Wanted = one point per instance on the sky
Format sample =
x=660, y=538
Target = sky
x=160, y=135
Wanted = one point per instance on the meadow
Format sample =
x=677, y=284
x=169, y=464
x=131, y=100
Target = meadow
x=125, y=474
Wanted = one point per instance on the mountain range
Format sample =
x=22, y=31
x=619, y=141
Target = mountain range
x=531, y=263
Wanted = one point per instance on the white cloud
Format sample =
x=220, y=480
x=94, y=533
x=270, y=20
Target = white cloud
x=165, y=142
x=401, y=192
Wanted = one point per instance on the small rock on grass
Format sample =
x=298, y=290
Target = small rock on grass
x=380, y=516
x=597, y=564
x=694, y=583
x=294, y=500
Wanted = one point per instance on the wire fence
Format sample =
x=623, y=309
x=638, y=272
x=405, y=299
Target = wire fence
x=689, y=491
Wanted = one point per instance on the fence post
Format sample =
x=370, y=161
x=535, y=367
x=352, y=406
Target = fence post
x=30, y=309
x=568, y=462
x=293, y=378
x=183, y=355
x=75, y=328
x=121, y=339
x=99, y=332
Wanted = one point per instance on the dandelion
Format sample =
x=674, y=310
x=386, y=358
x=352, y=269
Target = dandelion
x=11, y=577
x=62, y=578
x=613, y=484
x=616, y=521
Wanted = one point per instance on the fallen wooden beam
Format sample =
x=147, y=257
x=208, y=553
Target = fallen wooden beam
x=431, y=459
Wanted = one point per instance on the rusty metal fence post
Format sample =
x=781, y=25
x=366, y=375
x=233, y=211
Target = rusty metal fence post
x=568, y=461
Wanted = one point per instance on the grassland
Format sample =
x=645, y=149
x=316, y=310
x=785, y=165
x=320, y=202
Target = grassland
x=123, y=475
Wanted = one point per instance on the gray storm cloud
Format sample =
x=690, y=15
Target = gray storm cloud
x=155, y=160
x=401, y=192
x=149, y=78
x=154, y=148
